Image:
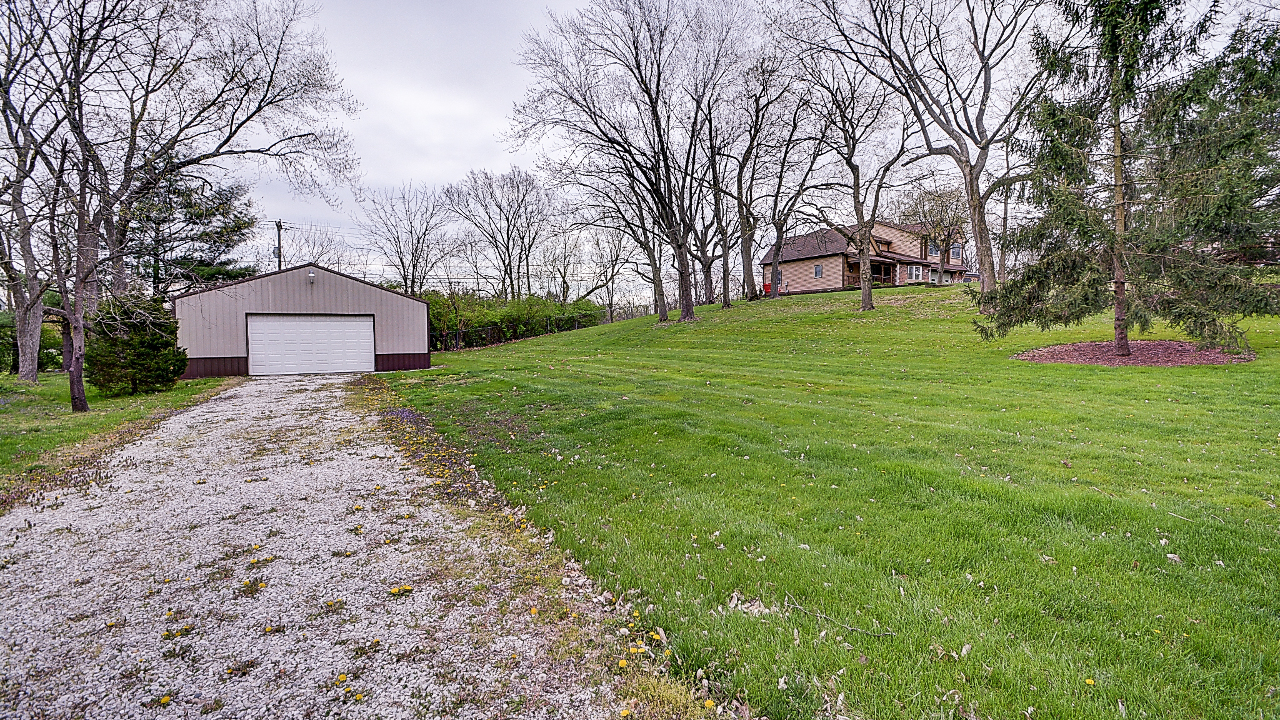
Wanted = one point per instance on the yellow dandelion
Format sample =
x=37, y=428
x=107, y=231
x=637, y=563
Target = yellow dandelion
x=1088, y=681
x=625, y=713
x=269, y=628
x=342, y=678
x=262, y=584
x=165, y=700
x=359, y=696
x=709, y=704
x=533, y=611
x=622, y=663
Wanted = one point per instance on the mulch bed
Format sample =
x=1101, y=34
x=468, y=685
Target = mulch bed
x=1153, y=353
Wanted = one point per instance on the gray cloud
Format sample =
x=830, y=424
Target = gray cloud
x=437, y=81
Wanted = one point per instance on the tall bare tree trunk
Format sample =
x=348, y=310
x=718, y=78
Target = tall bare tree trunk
x=1117, y=253
x=659, y=293
x=981, y=233
x=84, y=289
x=684, y=280
x=864, y=276
x=725, y=275
x=28, y=318
x=747, y=236
x=708, y=284
x=67, y=348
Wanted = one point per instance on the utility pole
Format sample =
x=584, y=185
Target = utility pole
x=279, y=245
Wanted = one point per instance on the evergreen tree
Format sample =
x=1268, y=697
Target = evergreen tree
x=1146, y=171
x=134, y=348
x=183, y=231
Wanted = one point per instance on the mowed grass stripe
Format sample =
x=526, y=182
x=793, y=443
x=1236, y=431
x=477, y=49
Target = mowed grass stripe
x=977, y=501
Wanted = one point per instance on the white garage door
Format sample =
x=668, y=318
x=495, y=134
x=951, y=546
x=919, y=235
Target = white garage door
x=296, y=344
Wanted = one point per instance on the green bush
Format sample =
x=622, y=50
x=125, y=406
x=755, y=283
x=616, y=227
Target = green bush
x=133, y=348
x=467, y=320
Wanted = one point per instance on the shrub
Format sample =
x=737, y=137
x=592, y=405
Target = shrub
x=133, y=347
x=466, y=320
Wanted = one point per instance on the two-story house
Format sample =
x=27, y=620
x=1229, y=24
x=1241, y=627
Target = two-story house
x=823, y=260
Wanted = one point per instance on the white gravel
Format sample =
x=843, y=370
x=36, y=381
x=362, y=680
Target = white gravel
x=273, y=470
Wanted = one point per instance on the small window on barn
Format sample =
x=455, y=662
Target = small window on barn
x=817, y=271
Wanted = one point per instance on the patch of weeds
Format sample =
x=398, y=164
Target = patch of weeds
x=234, y=553
x=178, y=651
x=240, y=668
x=213, y=705
x=133, y=672
x=274, y=629
x=80, y=616
x=222, y=573
x=650, y=697
x=569, y=643
x=252, y=586
x=391, y=540
x=259, y=562
x=369, y=648
x=272, y=533
x=176, y=633
x=411, y=655
x=160, y=701
x=341, y=553
x=82, y=582
x=356, y=530
x=400, y=590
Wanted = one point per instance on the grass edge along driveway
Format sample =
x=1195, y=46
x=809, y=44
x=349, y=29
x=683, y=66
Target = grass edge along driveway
x=1073, y=539
x=38, y=423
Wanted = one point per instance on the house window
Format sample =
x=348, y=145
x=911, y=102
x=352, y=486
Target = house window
x=933, y=248
x=913, y=272
x=955, y=252
x=817, y=271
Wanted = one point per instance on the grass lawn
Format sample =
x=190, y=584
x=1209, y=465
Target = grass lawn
x=1012, y=525
x=35, y=420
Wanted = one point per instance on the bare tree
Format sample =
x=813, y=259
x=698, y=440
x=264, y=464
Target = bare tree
x=869, y=136
x=150, y=90
x=407, y=227
x=625, y=86
x=513, y=214
x=941, y=210
x=962, y=71
x=793, y=156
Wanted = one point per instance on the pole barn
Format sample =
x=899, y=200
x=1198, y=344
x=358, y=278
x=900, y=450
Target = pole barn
x=301, y=320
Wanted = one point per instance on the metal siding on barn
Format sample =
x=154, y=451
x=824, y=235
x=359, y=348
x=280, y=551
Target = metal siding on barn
x=212, y=324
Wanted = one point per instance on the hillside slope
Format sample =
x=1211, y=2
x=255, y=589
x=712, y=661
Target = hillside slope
x=963, y=531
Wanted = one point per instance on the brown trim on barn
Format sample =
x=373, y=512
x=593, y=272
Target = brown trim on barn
x=216, y=367
x=401, y=361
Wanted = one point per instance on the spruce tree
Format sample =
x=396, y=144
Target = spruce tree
x=1146, y=166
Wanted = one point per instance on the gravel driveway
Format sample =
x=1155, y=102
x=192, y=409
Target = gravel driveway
x=240, y=561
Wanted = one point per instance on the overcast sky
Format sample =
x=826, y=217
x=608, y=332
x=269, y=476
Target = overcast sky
x=437, y=80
